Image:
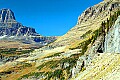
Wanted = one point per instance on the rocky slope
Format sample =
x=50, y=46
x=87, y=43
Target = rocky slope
x=103, y=67
x=77, y=55
x=90, y=19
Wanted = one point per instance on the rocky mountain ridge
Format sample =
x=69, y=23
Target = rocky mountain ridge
x=9, y=26
x=10, y=29
x=90, y=19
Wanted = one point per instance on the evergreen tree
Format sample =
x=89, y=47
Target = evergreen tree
x=103, y=32
x=103, y=27
x=107, y=25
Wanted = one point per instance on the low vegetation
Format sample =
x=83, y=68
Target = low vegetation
x=19, y=66
x=13, y=52
x=86, y=34
x=35, y=74
x=55, y=69
x=54, y=55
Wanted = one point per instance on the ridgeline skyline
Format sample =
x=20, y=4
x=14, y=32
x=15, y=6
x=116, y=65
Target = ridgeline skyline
x=49, y=18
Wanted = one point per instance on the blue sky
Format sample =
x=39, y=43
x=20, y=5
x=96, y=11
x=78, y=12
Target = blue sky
x=48, y=17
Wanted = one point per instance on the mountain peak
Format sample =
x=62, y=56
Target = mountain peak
x=10, y=27
x=6, y=15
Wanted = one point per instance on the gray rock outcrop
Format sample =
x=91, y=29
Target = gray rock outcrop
x=112, y=40
x=95, y=11
x=6, y=15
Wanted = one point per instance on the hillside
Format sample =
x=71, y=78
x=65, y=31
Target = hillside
x=90, y=19
x=103, y=67
x=89, y=51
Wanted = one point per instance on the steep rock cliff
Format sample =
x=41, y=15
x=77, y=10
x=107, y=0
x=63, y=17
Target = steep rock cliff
x=6, y=15
x=9, y=26
x=112, y=40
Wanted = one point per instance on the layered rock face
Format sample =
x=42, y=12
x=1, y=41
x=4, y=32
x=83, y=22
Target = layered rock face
x=112, y=40
x=17, y=31
x=10, y=27
x=6, y=15
x=90, y=19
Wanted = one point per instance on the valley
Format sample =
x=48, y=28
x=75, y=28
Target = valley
x=88, y=51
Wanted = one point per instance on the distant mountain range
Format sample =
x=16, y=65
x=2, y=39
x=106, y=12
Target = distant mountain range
x=10, y=29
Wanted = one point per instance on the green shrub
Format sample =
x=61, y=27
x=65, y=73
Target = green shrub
x=83, y=69
x=35, y=74
x=54, y=55
x=57, y=73
x=86, y=34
